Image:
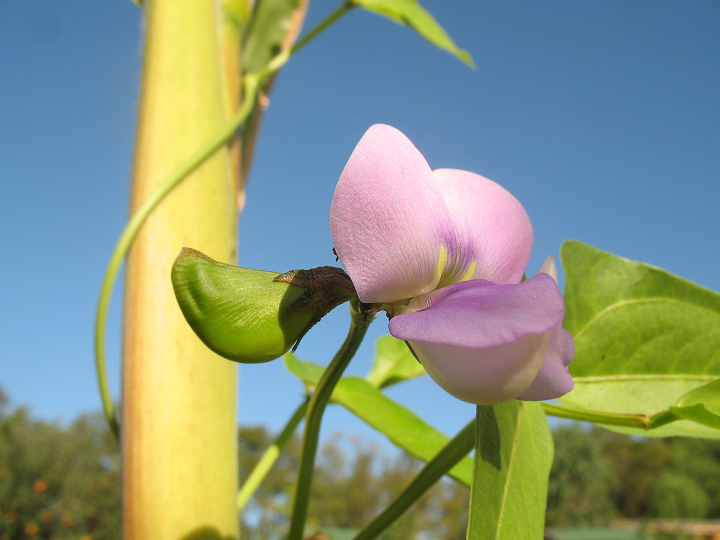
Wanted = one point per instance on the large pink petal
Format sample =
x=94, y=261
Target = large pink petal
x=553, y=380
x=388, y=220
x=491, y=225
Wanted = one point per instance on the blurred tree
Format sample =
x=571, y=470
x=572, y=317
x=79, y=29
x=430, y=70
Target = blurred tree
x=581, y=480
x=265, y=516
x=57, y=482
x=667, y=478
x=698, y=460
x=675, y=495
x=62, y=482
x=637, y=462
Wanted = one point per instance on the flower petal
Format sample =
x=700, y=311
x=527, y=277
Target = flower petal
x=491, y=225
x=389, y=223
x=549, y=268
x=482, y=342
x=553, y=380
x=483, y=376
x=479, y=313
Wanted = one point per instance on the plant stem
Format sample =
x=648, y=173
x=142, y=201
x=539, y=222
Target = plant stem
x=269, y=458
x=322, y=26
x=360, y=320
x=446, y=459
x=281, y=58
x=661, y=418
x=641, y=421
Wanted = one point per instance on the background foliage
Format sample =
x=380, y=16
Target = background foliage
x=62, y=481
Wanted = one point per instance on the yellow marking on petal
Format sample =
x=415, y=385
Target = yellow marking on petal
x=451, y=277
x=439, y=270
x=469, y=274
x=447, y=278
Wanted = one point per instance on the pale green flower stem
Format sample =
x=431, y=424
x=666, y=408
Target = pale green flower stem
x=360, y=321
x=251, y=82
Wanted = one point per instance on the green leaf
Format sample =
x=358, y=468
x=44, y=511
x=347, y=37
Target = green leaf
x=393, y=363
x=701, y=405
x=269, y=26
x=411, y=13
x=513, y=456
x=307, y=372
x=643, y=337
x=403, y=427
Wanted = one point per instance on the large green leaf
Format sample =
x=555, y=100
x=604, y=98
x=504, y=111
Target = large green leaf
x=403, y=427
x=412, y=14
x=643, y=337
x=701, y=405
x=393, y=363
x=513, y=455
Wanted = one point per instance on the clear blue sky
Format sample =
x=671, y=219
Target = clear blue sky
x=602, y=117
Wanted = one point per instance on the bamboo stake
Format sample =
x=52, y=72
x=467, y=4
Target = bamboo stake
x=179, y=399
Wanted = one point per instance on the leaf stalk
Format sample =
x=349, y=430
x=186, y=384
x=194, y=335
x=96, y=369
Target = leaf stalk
x=642, y=421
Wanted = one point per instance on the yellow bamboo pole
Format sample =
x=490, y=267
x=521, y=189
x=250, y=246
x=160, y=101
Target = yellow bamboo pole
x=179, y=399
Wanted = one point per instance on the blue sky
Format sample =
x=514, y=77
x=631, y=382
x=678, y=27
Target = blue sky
x=601, y=117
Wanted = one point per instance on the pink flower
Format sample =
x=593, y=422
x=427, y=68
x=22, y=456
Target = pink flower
x=444, y=252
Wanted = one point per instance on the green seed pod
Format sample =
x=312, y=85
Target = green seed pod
x=241, y=314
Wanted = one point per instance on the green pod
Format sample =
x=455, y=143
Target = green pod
x=241, y=314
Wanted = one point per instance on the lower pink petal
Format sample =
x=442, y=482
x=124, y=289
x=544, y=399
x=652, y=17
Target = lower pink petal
x=553, y=380
x=481, y=342
x=479, y=313
x=483, y=376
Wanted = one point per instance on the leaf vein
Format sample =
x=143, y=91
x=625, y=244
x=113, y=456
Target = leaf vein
x=618, y=305
x=511, y=463
x=612, y=378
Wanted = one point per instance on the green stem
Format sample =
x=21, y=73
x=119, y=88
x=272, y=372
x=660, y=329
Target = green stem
x=641, y=421
x=319, y=399
x=459, y=447
x=281, y=59
x=251, y=82
x=661, y=418
x=268, y=459
x=323, y=25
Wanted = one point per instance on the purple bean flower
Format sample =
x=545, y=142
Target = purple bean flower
x=444, y=252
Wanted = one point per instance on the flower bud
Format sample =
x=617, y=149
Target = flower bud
x=252, y=316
